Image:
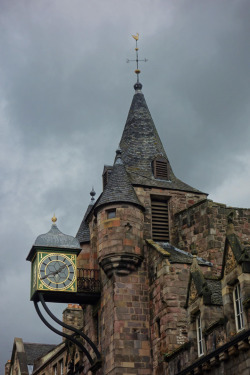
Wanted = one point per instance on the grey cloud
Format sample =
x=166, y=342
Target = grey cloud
x=64, y=98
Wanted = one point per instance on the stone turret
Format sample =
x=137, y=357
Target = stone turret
x=120, y=224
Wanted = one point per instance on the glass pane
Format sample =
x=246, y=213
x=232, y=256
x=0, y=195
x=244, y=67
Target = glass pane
x=111, y=214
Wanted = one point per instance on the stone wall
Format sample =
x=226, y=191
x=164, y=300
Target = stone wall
x=123, y=316
x=168, y=315
x=121, y=234
x=72, y=316
x=178, y=200
x=235, y=361
x=204, y=224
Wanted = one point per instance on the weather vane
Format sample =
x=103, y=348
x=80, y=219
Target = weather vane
x=137, y=70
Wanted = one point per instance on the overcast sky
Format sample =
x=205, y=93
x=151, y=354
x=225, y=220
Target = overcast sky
x=65, y=91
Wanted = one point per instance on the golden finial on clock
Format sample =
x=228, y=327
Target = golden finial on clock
x=54, y=219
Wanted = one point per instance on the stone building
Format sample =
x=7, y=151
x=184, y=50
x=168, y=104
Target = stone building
x=174, y=267
x=24, y=356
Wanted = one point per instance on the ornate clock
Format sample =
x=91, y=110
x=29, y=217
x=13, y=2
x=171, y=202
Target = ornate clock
x=54, y=265
x=57, y=271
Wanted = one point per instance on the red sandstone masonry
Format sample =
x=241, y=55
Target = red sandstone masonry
x=178, y=200
x=205, y=226
x=122, y=234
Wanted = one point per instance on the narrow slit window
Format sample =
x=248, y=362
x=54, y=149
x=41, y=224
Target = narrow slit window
x=238, y=308
x=160, y=220
x=158, y=327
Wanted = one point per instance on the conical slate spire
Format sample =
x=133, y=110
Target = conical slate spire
x=119, y=187
x=140, y=145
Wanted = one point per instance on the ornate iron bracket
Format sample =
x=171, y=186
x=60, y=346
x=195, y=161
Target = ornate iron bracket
x=95, y=364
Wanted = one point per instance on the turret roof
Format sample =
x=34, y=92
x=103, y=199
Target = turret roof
x=83, y=233
x=119, y=187
x=55, y=238
x=140, y=145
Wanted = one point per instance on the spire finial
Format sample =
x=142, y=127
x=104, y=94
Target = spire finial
x=138, y=85
x=118, y=159
x=54, y=219
x=92, y=193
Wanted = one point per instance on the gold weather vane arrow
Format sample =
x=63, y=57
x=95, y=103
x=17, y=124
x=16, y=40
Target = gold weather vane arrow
x=137, y=70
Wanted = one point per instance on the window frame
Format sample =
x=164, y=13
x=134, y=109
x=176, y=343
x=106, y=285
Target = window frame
x=238, y=308
x=61, y=366
x=110, y=212
x=55, y=372
x=199, y=335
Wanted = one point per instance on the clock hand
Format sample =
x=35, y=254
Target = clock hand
x=49, y=274
x=54, y=272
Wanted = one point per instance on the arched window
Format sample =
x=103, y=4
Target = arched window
x=160, y=168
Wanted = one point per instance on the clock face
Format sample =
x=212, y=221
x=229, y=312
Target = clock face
x=57, y=271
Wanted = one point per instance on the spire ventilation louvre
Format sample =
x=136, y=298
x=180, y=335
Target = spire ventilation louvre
x=160, y=168
x=160, y=222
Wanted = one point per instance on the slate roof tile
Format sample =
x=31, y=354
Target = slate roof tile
x=119, y=187
x=181, y=256
x=140, y=145
x=83, y=233
x=34, y=351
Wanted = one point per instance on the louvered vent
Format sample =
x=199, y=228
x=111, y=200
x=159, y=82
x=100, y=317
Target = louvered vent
x=161, y=168
x=160, y=224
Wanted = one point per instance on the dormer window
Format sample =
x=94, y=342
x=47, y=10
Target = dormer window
x=106, y=174
x=238, y=309
x=160, y=168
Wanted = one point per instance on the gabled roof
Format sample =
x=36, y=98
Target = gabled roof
x=140, y=145
x=34, y=351
x=233, y=252
x=200, y=286
x=119, y=188
x=27, y=353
